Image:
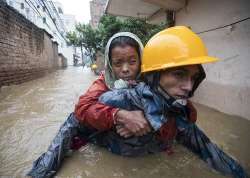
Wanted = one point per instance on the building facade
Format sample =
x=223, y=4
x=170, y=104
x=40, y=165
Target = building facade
x=97, y=8
x=68, y=21
x=48, y=15
x=27, y=52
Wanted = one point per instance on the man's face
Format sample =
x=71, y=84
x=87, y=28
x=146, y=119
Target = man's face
x=125, y=62
x=178, y=82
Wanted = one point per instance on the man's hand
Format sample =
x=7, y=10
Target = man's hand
x=132, y=123
x=122, y=131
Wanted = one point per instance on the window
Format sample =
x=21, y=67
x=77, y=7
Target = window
x=27, y=13
x=22, y=5
x=60, y=10
x=11, y=3
x=44, y=19
x=27, y=10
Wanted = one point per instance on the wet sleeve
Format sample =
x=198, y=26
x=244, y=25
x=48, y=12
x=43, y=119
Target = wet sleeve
x=195, y=140
x=138, y=98
x=153, y=109
x=122, y=98
x=90, y=112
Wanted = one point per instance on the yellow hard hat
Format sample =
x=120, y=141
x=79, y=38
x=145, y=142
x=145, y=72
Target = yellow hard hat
x=94, y=66
x=172, y=47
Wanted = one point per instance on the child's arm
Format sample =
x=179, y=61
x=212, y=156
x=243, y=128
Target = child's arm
x=122, y=98
x=136, y=98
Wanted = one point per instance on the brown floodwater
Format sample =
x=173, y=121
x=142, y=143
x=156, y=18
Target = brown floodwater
x=31, y=114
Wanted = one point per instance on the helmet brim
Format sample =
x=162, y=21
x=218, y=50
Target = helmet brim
x=190, y=61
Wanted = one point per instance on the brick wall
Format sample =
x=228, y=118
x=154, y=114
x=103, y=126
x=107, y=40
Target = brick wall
x=26, y=51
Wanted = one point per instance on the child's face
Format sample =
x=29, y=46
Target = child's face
x=125, y=62
x=178, y=82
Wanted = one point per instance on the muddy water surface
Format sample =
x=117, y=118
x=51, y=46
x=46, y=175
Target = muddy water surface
x=31, y=113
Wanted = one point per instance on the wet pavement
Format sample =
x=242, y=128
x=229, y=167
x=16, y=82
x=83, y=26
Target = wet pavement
x=31, y=114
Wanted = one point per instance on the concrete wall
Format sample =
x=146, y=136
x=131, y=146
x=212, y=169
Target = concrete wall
x=63, y=62
x=227, y=87
x=68, y=52
x=26, y=51
x=96, y=11
x=159, y=17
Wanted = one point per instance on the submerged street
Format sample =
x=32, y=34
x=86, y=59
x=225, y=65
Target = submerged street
x=31, y=114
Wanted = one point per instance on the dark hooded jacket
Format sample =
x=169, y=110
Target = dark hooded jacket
x=167, y=118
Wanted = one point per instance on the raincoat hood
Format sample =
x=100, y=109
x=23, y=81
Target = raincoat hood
x=109, y=76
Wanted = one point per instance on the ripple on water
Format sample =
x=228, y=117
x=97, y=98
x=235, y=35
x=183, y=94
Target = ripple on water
x=31, y=114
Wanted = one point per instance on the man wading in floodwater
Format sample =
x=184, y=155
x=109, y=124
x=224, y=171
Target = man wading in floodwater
x=172, y=71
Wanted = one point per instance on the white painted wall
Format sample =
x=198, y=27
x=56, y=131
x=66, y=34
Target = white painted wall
x=68, y=52
x=227, y=87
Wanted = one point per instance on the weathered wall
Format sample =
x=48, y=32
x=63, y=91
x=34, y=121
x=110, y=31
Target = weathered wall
x=26, y=51
x=227, y=87
x=159, y=17
x=63, y=63
x=96, y=11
